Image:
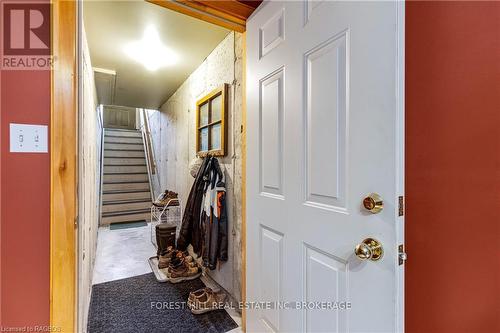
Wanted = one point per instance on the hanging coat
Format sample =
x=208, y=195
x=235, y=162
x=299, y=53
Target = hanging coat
x=191, y=232
x=214, y=218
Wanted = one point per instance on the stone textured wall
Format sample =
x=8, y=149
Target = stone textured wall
x=174, y=140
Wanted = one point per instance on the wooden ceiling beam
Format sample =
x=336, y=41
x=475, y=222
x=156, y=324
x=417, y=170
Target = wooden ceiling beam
x=232, y=8
x=230, y=14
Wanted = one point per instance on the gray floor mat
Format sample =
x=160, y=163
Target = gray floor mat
x=126, y=306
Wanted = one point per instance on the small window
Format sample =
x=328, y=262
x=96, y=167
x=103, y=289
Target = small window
x=211, y=123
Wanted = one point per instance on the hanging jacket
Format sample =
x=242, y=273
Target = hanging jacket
x=213, y=217
x=223, y=226
x=190, y=232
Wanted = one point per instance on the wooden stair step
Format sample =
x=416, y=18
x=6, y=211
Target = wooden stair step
x=128, y=177
x=124, y=153
x=122, y=139
x=118, y=169
x=135, y=211
x=122, y=133
x=129, y=217
x=124, y=146
x=126, y=187
x=113, y=196
x=125, y=205
x=126, y=191
x=124, y=161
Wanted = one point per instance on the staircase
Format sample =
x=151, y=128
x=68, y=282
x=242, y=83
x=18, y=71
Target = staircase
x=126, y=195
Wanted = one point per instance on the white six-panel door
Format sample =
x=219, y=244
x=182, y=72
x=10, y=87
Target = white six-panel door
x=322, y=94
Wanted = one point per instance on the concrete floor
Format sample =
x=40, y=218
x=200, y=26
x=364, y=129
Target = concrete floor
x=124, y=253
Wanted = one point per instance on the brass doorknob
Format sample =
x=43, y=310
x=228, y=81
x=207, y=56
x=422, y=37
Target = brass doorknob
x=373, y=203
x=369, y=248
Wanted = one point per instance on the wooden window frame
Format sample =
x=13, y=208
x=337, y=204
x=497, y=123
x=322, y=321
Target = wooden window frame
x=223, y=92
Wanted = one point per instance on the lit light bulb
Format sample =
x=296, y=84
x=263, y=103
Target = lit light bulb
x=150, y=52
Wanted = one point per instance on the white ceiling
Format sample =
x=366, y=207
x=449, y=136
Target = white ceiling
x=110, y=25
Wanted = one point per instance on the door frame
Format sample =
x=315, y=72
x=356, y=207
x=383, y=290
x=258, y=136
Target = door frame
x=65, y=32
x=63, y=166
x=64, y=162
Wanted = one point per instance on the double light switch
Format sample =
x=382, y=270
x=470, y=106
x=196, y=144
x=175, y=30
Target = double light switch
x=26, y=138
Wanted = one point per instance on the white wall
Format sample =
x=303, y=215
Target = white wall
x=89, y=183
x=174, y=140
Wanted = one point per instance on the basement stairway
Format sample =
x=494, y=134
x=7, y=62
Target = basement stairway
x=126, y=195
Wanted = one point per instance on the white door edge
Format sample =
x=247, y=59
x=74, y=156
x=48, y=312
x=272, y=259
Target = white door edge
x=400, y=158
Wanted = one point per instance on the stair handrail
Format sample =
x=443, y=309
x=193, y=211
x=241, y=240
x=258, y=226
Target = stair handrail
x=100, y=118
x=150, y=159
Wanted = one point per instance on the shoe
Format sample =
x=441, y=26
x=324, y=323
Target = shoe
x=168, y=274
x=206, y=301
x=165, y=258
x=166, y=198
x=184, y=273
x=177, y=263
x=178, y=258
x=197, y=294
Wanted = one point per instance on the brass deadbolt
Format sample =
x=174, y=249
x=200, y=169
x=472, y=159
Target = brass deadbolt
x=369, y=248
x=373, y=203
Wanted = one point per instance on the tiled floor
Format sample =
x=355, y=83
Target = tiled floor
x=124, y=253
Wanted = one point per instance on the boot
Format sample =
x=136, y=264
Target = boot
x=165, y=237
x=158, y=244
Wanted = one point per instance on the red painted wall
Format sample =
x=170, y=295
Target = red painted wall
x=25, y=190
x=452, y=170
x=452, y=166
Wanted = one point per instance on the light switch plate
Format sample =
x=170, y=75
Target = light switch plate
x=26, y=138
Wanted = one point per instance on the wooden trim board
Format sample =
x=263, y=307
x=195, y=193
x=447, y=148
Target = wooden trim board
x=244, y=183
x=230, y=14
x=63, y=167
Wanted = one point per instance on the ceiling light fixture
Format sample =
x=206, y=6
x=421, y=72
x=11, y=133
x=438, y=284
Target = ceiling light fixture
x=150, y=52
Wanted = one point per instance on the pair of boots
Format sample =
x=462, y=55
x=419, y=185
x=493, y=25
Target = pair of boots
x=165, y=237
x=179, y=265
